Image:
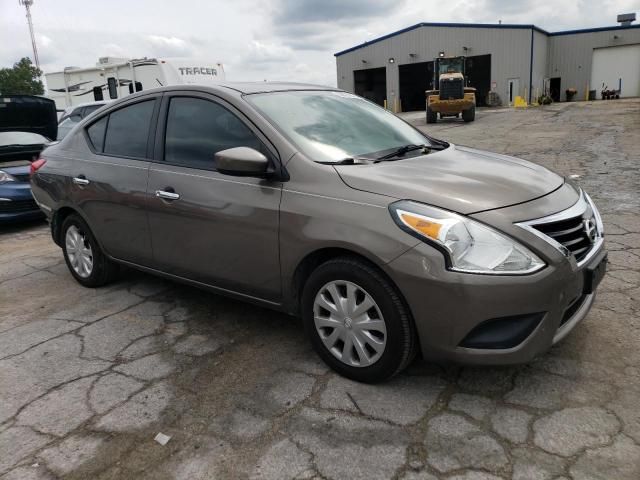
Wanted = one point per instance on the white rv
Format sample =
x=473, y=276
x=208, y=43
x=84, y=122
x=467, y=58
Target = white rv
x=113, y=78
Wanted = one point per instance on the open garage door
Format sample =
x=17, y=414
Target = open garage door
x=478, y=69
x=371, y=84
x=415, y=78
x=617, y=68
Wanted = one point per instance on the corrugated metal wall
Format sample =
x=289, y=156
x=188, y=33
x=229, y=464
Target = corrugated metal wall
x=566, y=56
x=570, y=56
x=509, y=49
x=540, y=55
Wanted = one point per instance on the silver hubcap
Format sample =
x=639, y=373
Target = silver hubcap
x=79, y=252
x=349, y=323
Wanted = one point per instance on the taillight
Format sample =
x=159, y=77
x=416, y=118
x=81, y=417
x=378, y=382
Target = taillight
x=37, y=165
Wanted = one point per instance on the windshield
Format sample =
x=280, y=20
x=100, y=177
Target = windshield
x=450, y=65
x=21, y=138
x=331, y=126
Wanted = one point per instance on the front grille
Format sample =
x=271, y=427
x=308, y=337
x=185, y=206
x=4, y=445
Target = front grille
x=21, y=177
x=572, y=233
x=576, y=231
x=18, y=206
x=451, y=89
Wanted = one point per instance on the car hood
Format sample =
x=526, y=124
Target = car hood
x=460, y=179
x=28, y=113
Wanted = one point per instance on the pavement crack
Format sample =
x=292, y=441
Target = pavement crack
x=355, y=404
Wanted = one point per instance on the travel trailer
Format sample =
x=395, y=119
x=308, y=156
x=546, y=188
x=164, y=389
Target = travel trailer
x=113, y=78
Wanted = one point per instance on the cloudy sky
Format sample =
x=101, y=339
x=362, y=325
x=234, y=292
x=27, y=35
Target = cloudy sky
x=259, y=39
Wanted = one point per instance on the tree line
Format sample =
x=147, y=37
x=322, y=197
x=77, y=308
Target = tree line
x=21, y=79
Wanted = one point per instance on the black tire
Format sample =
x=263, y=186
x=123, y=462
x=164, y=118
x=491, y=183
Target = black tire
x=104, y=270
x=401, y=346
x=432, y=117
x=469, y=115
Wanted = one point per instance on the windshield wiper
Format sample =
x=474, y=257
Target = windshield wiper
x=399, y=152
x=344, y=161
x=437, y=144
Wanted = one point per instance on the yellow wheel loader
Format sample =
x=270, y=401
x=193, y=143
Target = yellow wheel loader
x=452, y=98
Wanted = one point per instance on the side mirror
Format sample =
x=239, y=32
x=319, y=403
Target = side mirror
x=242, y=162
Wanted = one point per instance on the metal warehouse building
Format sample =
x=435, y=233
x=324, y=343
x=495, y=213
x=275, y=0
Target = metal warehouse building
x=511, y=60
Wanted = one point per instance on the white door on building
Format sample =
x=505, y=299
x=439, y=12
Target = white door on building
x=618, y=68
x=513, y=90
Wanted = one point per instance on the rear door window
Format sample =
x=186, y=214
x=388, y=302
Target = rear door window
x=128, y=130
x=197, y=129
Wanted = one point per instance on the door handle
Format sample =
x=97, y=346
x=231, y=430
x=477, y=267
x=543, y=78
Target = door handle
x=81, y=180
x=167, y=195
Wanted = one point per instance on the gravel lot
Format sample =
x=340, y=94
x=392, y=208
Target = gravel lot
x=89, y=377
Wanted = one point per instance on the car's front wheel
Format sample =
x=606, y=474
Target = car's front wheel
x=357, y=322
x=86, y=261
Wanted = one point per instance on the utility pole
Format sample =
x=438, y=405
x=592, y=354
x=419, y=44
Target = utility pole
x=27, y=5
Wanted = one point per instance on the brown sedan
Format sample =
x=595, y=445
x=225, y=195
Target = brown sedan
x=316, y=202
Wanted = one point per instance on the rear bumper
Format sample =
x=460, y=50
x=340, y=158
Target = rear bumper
x=522, y=315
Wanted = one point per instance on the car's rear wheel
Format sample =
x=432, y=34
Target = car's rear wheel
x=357, y=322
x=86, y=261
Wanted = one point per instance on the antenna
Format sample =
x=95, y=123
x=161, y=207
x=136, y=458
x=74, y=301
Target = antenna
x=27, y=5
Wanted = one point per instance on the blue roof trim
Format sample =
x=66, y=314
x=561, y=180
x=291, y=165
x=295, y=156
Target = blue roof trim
x=597, y=29
x=482, y=25
x=436, y=24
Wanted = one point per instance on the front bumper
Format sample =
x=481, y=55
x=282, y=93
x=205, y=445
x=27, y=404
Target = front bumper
x=451, y=106
x=450, y=308
x=17, y=217
x=17, y=204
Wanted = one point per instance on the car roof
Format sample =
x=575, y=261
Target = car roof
x=264, y=87
x=224, y=89
x=244, y=88
x=85, y=104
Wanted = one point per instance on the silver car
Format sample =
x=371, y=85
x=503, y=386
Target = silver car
x=387, y=242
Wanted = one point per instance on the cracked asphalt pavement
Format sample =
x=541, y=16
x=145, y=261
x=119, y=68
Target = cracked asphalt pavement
x=89, y=377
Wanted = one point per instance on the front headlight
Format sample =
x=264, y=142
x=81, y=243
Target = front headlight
x=596, y=215
x=5, y=177
x=469, y=246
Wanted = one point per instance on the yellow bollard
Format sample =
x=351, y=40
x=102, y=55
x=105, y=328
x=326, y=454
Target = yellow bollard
x=519, y=102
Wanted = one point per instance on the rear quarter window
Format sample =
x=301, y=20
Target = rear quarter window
x=96, y=133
